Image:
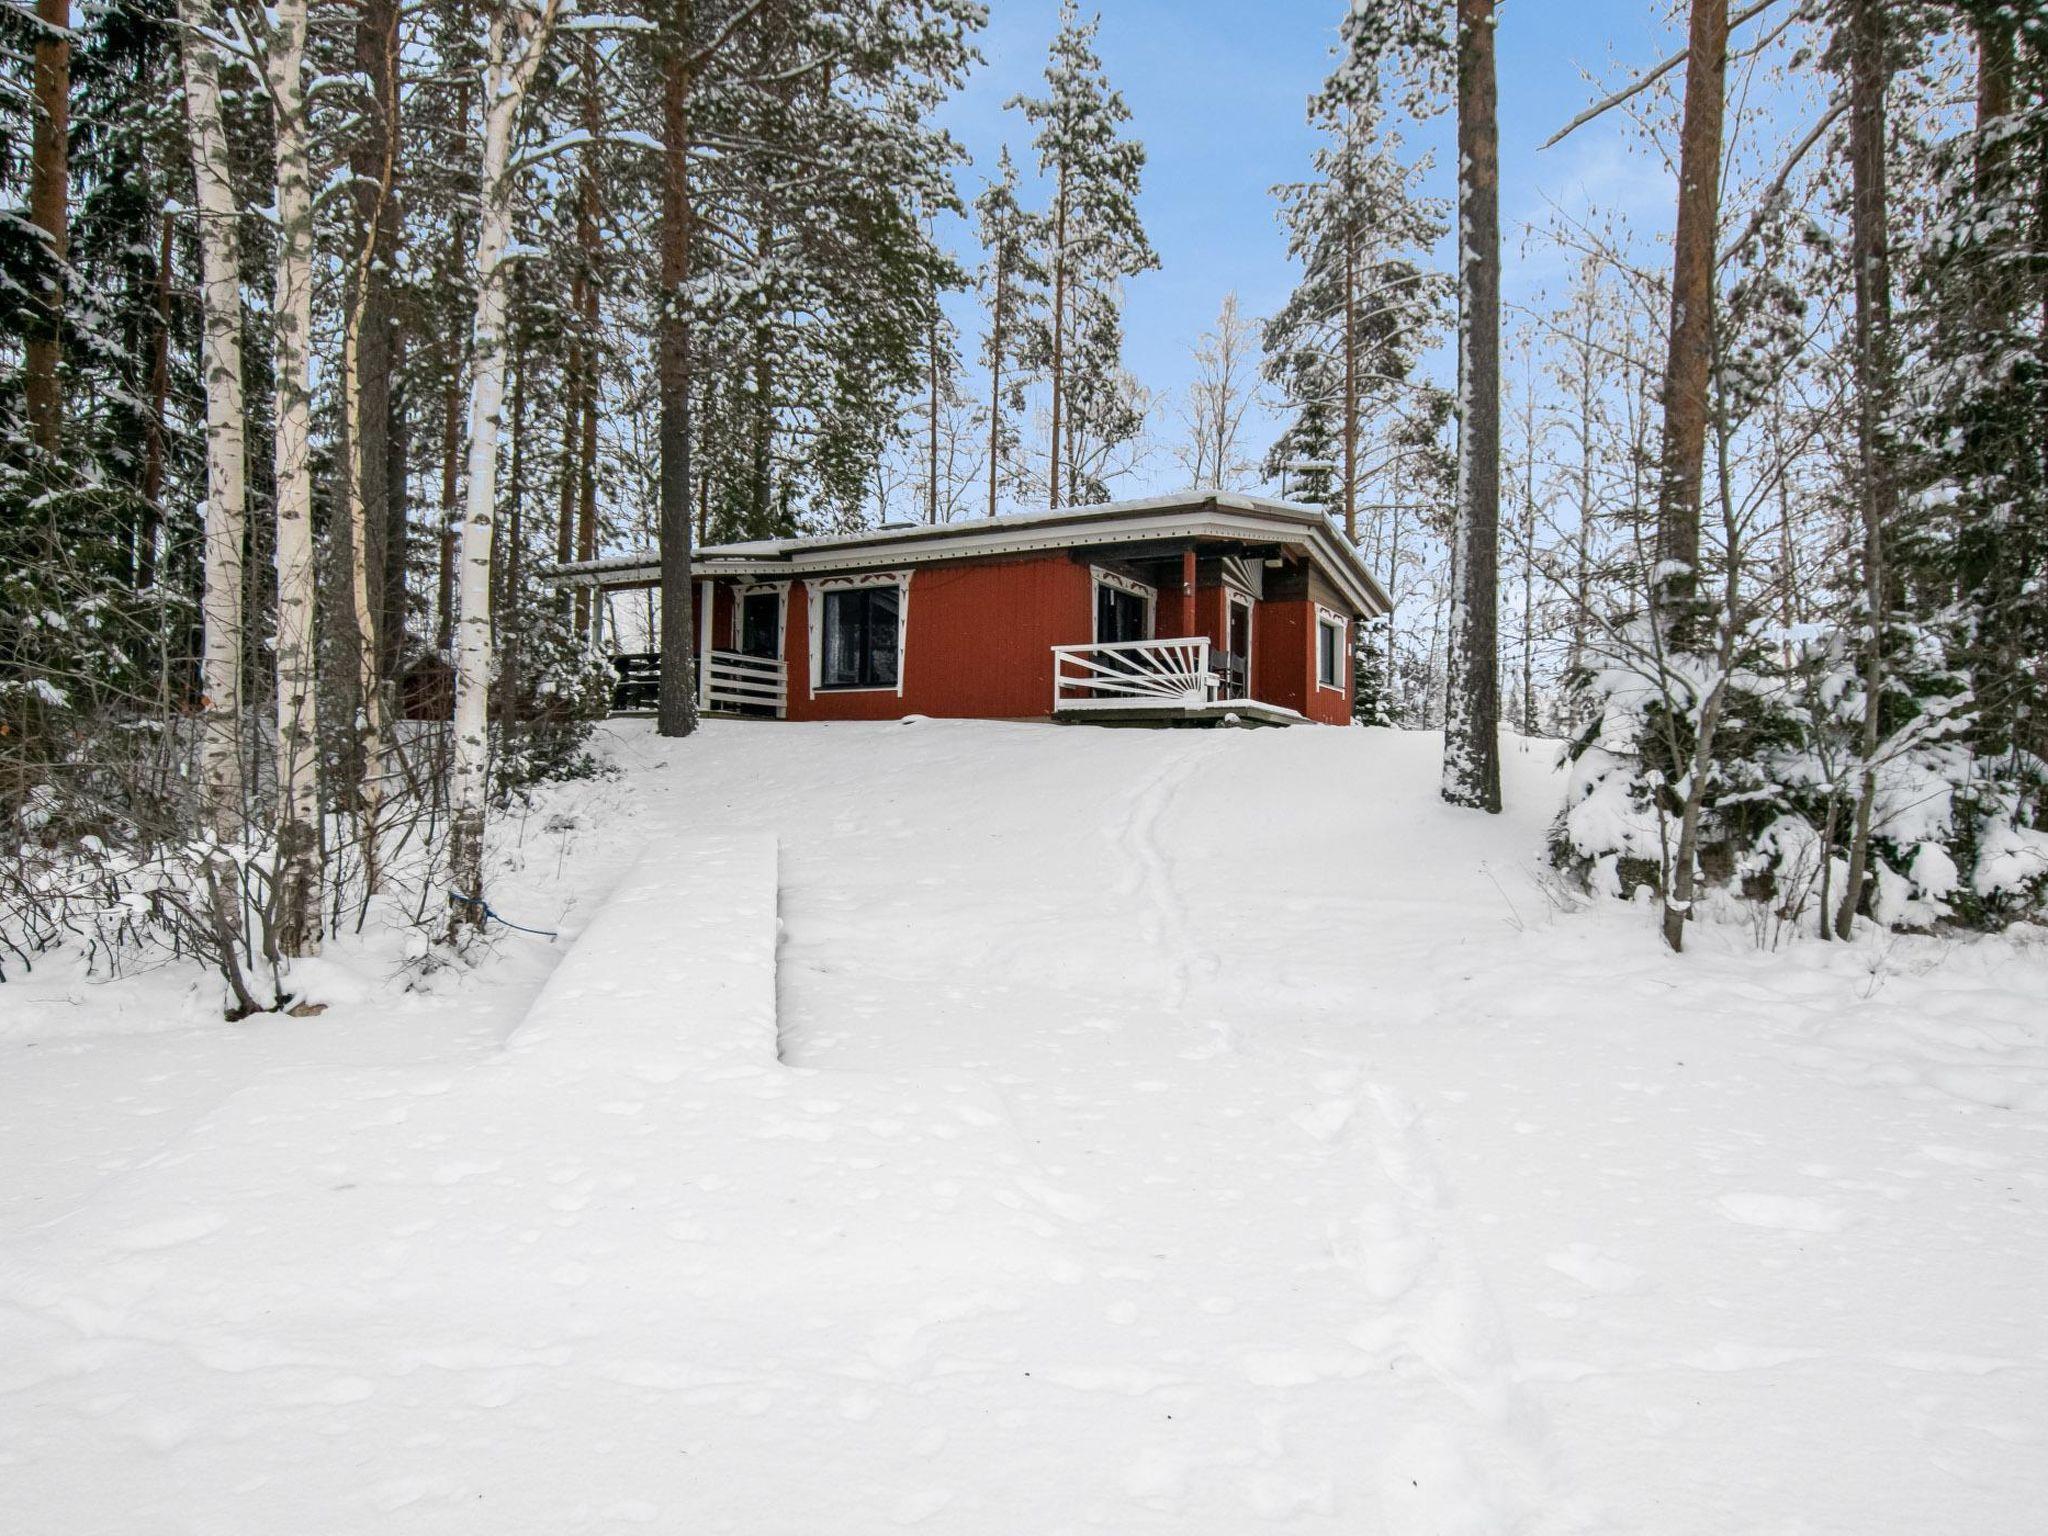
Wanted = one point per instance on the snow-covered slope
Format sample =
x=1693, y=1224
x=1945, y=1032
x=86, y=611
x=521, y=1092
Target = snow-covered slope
x=1000, y=1129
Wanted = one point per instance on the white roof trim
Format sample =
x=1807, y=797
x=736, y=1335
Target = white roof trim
x=1189, y=515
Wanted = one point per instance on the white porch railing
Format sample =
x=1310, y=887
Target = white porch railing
x=1132, y=674
x=734, y=678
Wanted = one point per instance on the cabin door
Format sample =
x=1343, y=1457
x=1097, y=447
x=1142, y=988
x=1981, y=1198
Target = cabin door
x=1120, y=616
x=1237, y=649
x=761, y=624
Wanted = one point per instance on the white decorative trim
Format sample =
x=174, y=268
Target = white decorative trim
x=818, y=586
x=1138, y=589
x=1221, y=515
x=1329, y=617
x=707, y=603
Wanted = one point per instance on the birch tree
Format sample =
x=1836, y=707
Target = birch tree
x=1224, y=389
x=282, y=45
x=225, y=517
x=518, y=38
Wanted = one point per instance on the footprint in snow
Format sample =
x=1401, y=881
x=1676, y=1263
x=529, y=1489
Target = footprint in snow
x=170, y=1232
x=1595, y=1270
x=1962, y=1157
x=1787, y=1213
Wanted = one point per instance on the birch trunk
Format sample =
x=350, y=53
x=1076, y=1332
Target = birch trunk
x=518, y=36
x=1471, y=765
x=297, y=894
x=220, y=293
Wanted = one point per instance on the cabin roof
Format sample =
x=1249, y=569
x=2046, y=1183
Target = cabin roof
x=1187, y=514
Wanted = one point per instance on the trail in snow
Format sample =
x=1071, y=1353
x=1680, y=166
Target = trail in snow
x=1148, y=880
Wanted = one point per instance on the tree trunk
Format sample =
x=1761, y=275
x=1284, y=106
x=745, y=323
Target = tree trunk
x=1350, y=343
x=931, y=499
x=570, y=490
x=451, y=435
x=1529, y=573
x=365, y=420
x=451, y=512
x=1585, y=386
x=1675, y=582
x=220, y=295
x=1059, y=331
x=49, y=211
x=374, y=162
x=1870, y=254
x=397, y=526
x=677, y=708
x=1698, y=759
x=1471, y=765
x=515, y=541
x=590, y=251
x=298, y=733
x=995, y=375
x=151, y=523
x=518, y=36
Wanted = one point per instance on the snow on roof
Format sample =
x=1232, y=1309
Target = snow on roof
x=1224, y=512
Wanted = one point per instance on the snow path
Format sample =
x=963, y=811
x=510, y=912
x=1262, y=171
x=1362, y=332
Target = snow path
x=988, y=1129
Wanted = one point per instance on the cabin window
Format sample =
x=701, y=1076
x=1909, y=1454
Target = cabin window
x=1123, y=609
x=861, y=637
x=1329, y=650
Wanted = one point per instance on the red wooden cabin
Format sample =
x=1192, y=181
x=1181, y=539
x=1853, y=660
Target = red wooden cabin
x=1176, y=608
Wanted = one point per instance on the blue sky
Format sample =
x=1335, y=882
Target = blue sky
x=1217, y=90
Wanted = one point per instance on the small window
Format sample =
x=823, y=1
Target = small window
x=860, y=638
x=1329, y=653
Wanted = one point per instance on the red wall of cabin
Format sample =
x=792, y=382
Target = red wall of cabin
x=1284, y=663
x=979, y=640
x=978, y=644
x=723, y=635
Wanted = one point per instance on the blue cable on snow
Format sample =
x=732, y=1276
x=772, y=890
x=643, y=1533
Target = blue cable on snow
x=471, y=901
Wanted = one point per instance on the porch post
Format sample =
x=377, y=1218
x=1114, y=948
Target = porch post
x=1187, y=628
x=706, y=595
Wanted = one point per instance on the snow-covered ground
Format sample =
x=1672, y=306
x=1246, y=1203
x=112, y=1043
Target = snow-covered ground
x=1015, y=1129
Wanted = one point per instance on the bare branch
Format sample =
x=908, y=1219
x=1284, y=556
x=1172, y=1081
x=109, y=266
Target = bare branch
x=1643, y=82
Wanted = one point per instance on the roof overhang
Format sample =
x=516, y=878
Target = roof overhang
x=1192, y=515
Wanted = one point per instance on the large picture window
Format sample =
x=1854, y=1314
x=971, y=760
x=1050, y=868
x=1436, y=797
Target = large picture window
x=860, y=637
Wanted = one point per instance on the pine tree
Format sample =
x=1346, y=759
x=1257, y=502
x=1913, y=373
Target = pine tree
x=1013, y=284
x=1094, y=242
x=1347, y=340
x=1471, y=770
